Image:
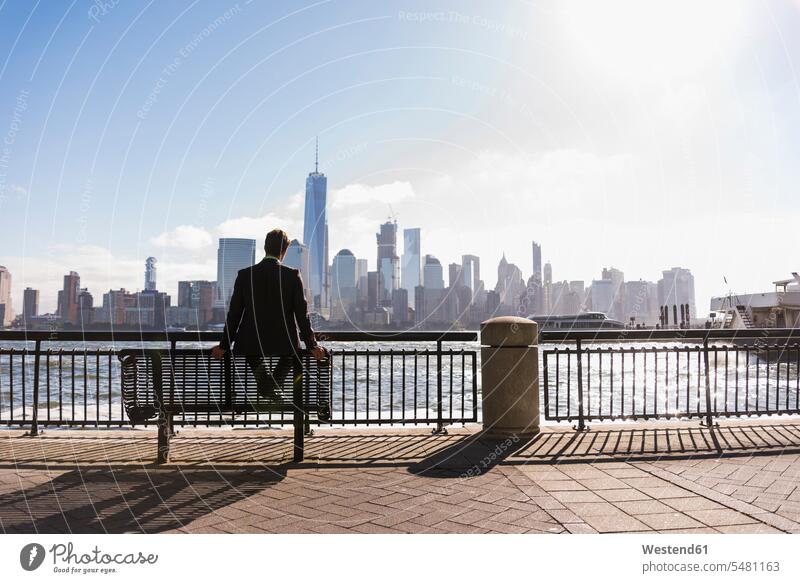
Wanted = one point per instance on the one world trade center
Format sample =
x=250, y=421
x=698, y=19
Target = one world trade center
x=315, y=234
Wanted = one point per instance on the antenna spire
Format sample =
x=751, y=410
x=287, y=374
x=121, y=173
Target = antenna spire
x=316, y=157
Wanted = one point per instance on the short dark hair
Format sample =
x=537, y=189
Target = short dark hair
x=276, y=243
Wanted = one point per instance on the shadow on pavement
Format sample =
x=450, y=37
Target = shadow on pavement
x=119, y=500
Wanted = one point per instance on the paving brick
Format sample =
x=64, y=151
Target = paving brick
x=669, y=520
x=643, y=507
x=720, y=517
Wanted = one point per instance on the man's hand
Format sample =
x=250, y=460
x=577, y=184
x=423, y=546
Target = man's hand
x=318, y=352
x=218, y=352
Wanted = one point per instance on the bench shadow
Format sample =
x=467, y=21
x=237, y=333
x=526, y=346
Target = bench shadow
x=125, y=499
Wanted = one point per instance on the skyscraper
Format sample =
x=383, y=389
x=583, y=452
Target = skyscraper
x=6, y=313
x=315, y=234
x=510, y=286
x=472, y=263
x=343, y=285
x=388, y=262
x=297, y=257
x=536, y=286
x=68, y=298
x=411, y=268
x=30, y=304
x=433, y=278
x=150, y=274
x=537, y=261
x=232, y=255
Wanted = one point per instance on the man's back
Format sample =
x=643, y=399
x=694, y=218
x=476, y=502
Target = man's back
x=267, y=300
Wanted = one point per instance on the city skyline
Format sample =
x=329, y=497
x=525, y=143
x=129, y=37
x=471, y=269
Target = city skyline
x=515, y=122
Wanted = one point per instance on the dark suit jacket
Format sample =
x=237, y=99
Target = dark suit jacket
x=267, y=300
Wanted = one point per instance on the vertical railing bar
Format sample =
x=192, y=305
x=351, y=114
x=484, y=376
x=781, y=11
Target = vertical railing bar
x=439, y=424
x=403, y=398
x=97, y=387
x=61, y=385
x=450, y=373
x=391, y=386
x=36, y=364
x=581, y=424
x=736, y=380
x=709, y=421
x=474, y=385
x=463, y=381
x=747, y=379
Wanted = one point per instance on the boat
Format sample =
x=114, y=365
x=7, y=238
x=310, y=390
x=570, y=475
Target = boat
x=584, y=321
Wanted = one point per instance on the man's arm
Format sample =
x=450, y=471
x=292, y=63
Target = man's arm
x=301, y=314
x=235, y=311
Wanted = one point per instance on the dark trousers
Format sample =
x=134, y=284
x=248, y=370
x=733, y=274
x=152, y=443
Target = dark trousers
x=270, y=383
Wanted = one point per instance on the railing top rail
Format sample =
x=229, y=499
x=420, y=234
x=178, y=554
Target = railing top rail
x=196, y=336
x=667, y=335
x=545, y=336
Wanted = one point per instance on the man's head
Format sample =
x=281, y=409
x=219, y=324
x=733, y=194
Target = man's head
x=276, y=243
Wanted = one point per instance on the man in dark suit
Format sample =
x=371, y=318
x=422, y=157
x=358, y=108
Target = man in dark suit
x=267, y=307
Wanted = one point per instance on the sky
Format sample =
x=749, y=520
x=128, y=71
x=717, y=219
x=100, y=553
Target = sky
x=638, y=135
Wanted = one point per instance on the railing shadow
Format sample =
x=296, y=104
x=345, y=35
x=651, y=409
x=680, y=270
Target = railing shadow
x=457, y=453
x=125, y=499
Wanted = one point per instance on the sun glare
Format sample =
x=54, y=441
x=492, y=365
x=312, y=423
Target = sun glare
x=652, y=39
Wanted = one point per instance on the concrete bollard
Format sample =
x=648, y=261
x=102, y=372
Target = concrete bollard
x=510, y=377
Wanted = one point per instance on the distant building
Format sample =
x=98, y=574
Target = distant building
x=641, y=303
x=388, y=261
x=195, y=307
x=85, y=308
x=6, y=311
x=455, y=275
x=315, y=235
x=30, y=305
x=343, y=286
x=150, y=274
x=399, y=306
x=430, y=309
x=617, y=279
x=411, y=268
x=602, y=296
x=68, y=299
x=676, y=287
x=432, y=278
x=232, y=255
x=547, y=282
x=510, y=286
x=298, y=258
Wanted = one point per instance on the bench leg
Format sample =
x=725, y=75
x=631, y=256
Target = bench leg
x=164, y=434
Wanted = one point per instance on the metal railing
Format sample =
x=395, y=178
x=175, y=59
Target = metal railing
x=54, y=383
x=634, y=375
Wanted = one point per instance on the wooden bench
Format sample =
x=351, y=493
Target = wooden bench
x=159, y=384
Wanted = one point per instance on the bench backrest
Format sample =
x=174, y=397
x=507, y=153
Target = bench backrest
x=192, y=379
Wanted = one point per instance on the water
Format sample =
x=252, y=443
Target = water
x=81, y=381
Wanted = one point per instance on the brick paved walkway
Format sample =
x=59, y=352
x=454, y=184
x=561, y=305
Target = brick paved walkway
x=741, y=477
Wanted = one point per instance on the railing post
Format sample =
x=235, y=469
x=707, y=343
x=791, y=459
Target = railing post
x=299, y=414
x=440, y=430
x=579, y=352
x=164, y=421
x=35, y=418
x=709, y=416
x=510, y=377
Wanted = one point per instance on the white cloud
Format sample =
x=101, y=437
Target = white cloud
x=186, y=237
